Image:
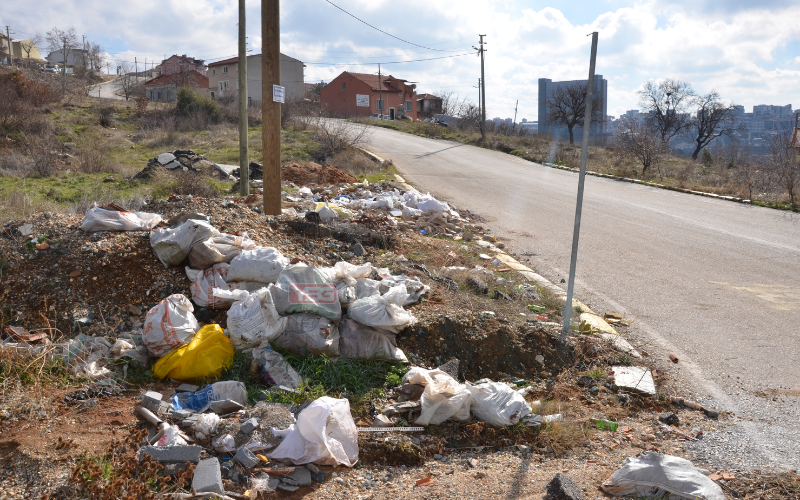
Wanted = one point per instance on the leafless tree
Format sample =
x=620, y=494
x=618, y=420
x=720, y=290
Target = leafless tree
x=666, y=102
x=449, y=101
x=712, y=118
x=128, y=81
x=639, y=140
x=782, y=162
x=64, y=41
x=31, y=43
x=337, y=135
x=568, y=107
x=95, y=56
x=750, y=172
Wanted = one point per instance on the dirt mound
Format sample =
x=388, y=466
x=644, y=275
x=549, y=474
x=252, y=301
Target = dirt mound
x=314, y=173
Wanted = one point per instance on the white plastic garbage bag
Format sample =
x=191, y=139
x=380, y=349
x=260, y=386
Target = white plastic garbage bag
x=652, y=474
x=309, y=334
x=384, y=312
x=168, y=325
x=221, y=247
x=99, y=219
x=324, y=434
x=426, y=203
x=305, y=288
x=414, y=287
x=84, y=353
x=172, y=245
x=345, y=276
x=204, y=283
x=205, y=426
x=252, y=319
x=497, y=404
x=366, y=287
x=361, y=341
x=274, y=369
x=442, y=398
x=260, y=264
x=171, y=437
x=327, y=214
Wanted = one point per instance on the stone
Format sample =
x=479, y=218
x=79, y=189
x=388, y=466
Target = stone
x=165, y=158
x=472, y=462
x=249, y=426
x=451, y=368
x=181, y=414
x=634, y=378
x=287, y=487
x=187, y=388
x=313, y=468
x=669, y=418
x=438, y=457
x=321, y=476
x=358, y=250
x=539, y=359
x=563, y=488
x=225, y=407
x=152, y=400
x=208, y=477
x=172, y=454
x=300, y=477
x=247, y=458
x=135, y=311
x=273, y=483
x=381, y=420
x=586, y=381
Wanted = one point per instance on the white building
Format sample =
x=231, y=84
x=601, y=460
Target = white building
x=223, y=77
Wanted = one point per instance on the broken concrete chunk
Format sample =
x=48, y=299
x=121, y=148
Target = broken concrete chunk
x=563, y=488
x=165, y=158
x=399, y=408
x=225, y=406
x=172, y=454
x=321, y=476
x=187, y=388
x=247, y=458
x=382, y=421
x=634, y=378
x=300, y=477
x=249, y=426
x=152, y=400
x=208, y=477
x=410, y=392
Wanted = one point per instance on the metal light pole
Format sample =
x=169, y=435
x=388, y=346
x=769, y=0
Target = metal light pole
x=587, y=125
x=244, y=161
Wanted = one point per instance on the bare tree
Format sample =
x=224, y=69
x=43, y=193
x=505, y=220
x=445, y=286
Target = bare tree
x=568, y=107
x=713, y=118
x=449, y=101
x=95, y=56
x=63, y=41
x=782, y=162
x=666, y=103
x=750, y=173
x=31, y=43
x=639, y=140
x=128, y=81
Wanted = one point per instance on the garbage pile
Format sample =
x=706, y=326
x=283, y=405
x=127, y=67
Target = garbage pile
x=181, y=160
x=314, y=173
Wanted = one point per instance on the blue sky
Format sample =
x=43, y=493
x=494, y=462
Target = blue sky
x=746, y=50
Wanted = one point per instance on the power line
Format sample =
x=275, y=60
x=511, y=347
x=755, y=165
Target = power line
x=385, y=33
x=389, y=62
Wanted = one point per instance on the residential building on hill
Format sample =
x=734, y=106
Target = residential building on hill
x=182, y=64
x=164, y=88
x=223, y=78
x=359, y=94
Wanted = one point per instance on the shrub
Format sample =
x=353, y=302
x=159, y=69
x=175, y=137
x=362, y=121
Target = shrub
x=107, y=116
x=189, y=103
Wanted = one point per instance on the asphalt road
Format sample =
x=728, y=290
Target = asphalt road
x=715, y=282
x=110, y=90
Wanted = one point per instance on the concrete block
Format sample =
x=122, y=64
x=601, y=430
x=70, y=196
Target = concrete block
x=152, y=401
x=300, y=477
x=246, y=458
x=172, y=454
x=249, y=426
x=181, y=414
x=634, y=378
x=207, y=477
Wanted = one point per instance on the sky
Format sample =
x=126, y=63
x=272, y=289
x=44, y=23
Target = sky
x=746, y=50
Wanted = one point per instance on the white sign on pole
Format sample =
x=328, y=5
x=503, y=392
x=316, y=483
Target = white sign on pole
x=278, y=94
x=362, y=100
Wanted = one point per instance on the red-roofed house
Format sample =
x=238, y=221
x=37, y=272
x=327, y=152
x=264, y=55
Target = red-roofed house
x=164, y=88
x=358, y=94
x=428, y=105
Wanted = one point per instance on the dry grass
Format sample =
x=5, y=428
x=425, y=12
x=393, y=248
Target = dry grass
x=355, y=162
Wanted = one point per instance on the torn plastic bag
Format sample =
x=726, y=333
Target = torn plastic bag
x=220, y=391
x=305, y=288
x=366, y=287
x=99, y=219
x=326, y=213
x=171, y=437
x=442, y=398
x=124, y=349
x=384, y=312
x=204, y=283
x=84, y=353
x=224, y=444
x=309, y=334
x=274, y=369
x=205, y=426
x=252, y=319
x=261, y=264
x=341, y=212
x=168, y=325
x=324, y=434
x=345, y=276
x=652, y=474
x=414, y=287
x=428, y=203
x=361, y=341
x=206, y=355
x=222, y=247
x=172, y=245
x=409, y=212
x=497, y=404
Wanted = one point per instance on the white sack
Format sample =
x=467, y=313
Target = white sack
x=384, y=312
x=252, y=319
x=204, y=283
x=327, y=214
x=345, y=276
x=168, y=325
x=261, y=264
x=428, y=203
x=99, y=219
x=324, y=434
x=414, y=287
x=309, y=334
x=172, y=245
x=442, y=398
x=654, y=474
x=221, y=247
x=366, y=287
x=361, y=341
x=274, y=369
x=497, y=404
x=302, y=288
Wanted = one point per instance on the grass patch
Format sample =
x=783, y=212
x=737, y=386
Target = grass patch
x=44, y=369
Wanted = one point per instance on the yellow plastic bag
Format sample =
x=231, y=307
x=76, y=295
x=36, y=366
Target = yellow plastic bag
x=206, y=355
x=341, y=211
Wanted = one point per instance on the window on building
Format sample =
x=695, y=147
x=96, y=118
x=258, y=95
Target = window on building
x=224, y=69
x=226, y=84
x=379, y=104
x=249, y=101
x=344, y=85
x=212, y=95
x=213, y=71
x=159, y=95
x=409, y=106
x=221, y=87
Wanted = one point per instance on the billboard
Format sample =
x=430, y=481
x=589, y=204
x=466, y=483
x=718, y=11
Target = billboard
x=362, y=100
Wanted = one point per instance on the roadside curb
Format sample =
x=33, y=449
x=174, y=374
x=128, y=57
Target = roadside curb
x=372, y=156
x=606, y=331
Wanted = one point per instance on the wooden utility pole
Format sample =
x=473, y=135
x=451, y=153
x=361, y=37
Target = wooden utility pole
x=481, y=50
x=380, y=92
x=270, y=110
x=244, y=162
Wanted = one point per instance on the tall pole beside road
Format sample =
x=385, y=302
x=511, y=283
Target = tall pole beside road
x=244, y=161
x=483, y=93
x=587, y=124
x=271, y=110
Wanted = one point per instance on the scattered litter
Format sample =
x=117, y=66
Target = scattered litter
x=710, y=412
x=201, y=400
x=673, y=358
x=634, y=378
x=98, y=219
